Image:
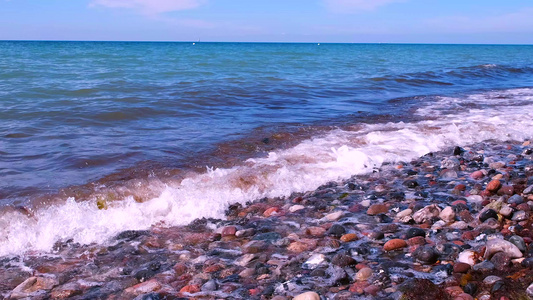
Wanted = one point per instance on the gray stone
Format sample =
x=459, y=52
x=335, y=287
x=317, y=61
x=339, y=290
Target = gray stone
x=485, y=266
x=209, y=286
x=518, y=241
x=520, y=216
x=498, y=245
x=529, y=290
x=490, y=280
x=516, y=199
x=451, y=163
x=528, y=190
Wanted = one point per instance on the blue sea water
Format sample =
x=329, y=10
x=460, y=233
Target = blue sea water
x=163, y=133
x=72, y=112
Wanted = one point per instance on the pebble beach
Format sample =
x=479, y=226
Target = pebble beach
x=454, y=224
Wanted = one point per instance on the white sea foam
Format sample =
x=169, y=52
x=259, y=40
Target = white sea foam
x=337, y=155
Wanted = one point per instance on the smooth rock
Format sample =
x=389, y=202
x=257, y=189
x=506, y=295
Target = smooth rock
x=296, y=208
x=245, y=232
x=414, y=231
x=451, y=163
x=460, y=267
x=348, y=237
x=376, y=209
x=315, y=231
x=33, y=285
x=404, y=213
x=477, y=175
x=518, y=241
x=498, y=245
x=334, y=216
x=448, y=174
x=520, y=216
x=272, y=211
x=467, y=257
x=314, y=261
x=494, y=185
x=427, y=213
x=491, y=279
x=487, y=214
x=447, y=214
x=336, y=230
x=146, y=287
x=343, y=260
x=506, y=211
x=228, y=231
x=425, y=254
x=463, y=296
x=209, y=286
x=307, y=296
x=363, y=274
x=411, y=184
x=529, y=290
x=302, y=245
x=485, y=266
x=528, y=190
x=515, y=199
x=394, y=244
x=501, y=261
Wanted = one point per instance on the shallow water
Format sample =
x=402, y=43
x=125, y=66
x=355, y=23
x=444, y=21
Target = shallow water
x=169, y=132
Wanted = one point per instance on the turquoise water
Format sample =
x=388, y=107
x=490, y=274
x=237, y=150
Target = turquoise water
x=74, y=112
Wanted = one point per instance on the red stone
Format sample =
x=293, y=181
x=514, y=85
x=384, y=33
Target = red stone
x=180, y=269
x=468, y=235
x=358, y=287
x=254, y=292
x=460, y=187
x=506, y=190
x=461, y=267
x=213, y=268
x=315, y=231
x=271, y=211
x=477, y=175
x=191, y=289
x=523, y=206
x=377, y=209
x=417, y=240
x=394, y=244
x=494, y=185
x=229, y=231
x=372, y=289
x=458, y=202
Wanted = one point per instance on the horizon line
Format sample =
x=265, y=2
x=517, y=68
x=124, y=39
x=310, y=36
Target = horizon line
x=268, y=42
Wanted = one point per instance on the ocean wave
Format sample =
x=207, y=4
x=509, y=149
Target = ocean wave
x=450, y=77
x=335, y=155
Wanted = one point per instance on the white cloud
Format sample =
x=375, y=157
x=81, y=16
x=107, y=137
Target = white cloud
x=348, y=6
x=519, y=21
x=151, y=7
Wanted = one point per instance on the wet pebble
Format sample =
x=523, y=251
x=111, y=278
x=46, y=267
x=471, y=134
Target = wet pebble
x=487, y=214
x=307, y=296
x=394, y=244
x=425, y=254
x=336, y=230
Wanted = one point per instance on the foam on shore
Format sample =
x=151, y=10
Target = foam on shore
x=337, y=155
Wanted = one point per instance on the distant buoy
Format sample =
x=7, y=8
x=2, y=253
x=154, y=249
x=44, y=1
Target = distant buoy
x=318, y=44
x=193, y=44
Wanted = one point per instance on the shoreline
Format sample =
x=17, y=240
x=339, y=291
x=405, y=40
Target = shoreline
x=446, y=225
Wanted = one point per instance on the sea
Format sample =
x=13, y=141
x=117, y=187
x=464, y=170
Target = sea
x=101, y=137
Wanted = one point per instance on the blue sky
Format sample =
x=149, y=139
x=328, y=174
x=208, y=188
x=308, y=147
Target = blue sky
x=388, y=21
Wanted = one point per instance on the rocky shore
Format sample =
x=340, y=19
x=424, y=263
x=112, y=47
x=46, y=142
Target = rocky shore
x=449, y=225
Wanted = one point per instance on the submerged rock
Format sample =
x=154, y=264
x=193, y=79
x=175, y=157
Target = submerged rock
x=498, y=245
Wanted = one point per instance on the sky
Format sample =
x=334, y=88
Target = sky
x=347, y=21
